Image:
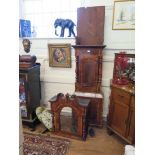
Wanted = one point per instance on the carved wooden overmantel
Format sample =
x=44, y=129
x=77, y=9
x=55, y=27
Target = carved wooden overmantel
x=78, y=126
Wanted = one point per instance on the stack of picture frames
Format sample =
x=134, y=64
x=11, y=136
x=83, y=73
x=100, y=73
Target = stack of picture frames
x=59, y=55
x=124, y=15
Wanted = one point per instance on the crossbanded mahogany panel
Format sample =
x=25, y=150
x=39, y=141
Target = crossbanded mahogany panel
x=90, y=25
x=89, y=69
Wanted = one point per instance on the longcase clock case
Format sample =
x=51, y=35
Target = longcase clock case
x=89, y=52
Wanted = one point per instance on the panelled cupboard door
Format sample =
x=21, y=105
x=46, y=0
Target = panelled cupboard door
x=119, y=118
x=89, y=69
x=131, y=122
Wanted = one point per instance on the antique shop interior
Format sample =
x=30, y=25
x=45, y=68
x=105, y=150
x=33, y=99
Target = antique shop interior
x=77, y=77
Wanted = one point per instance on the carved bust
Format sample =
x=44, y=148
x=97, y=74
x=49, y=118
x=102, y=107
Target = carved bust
x=26, y=45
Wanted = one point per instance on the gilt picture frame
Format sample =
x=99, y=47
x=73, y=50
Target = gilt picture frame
x=59, y=55
x=124, y=15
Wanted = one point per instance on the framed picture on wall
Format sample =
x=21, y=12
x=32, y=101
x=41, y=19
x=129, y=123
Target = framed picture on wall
x=124, y=15
x=59, y=55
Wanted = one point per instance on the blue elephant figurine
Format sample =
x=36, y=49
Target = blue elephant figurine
x=64, y=23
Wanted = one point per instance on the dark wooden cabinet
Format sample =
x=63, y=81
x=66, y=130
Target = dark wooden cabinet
x=121, y=117
x=29, y=93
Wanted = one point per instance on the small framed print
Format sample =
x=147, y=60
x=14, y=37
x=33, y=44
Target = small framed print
x=124, y=15
x=59, y=55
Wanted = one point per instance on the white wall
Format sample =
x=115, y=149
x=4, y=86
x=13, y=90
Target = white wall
x=56, y=80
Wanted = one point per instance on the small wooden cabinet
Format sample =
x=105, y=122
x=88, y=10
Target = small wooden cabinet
x=121, y=117
x=74, y=123
x=29, y=93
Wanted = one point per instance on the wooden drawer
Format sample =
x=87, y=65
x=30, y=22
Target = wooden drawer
x=120, y=96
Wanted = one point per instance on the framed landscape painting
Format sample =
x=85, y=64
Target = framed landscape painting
x=124, y=15
x=59, y=55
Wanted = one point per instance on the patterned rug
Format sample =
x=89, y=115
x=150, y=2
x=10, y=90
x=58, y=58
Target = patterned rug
x=35, y=144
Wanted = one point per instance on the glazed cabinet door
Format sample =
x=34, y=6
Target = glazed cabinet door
x=119, y=118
